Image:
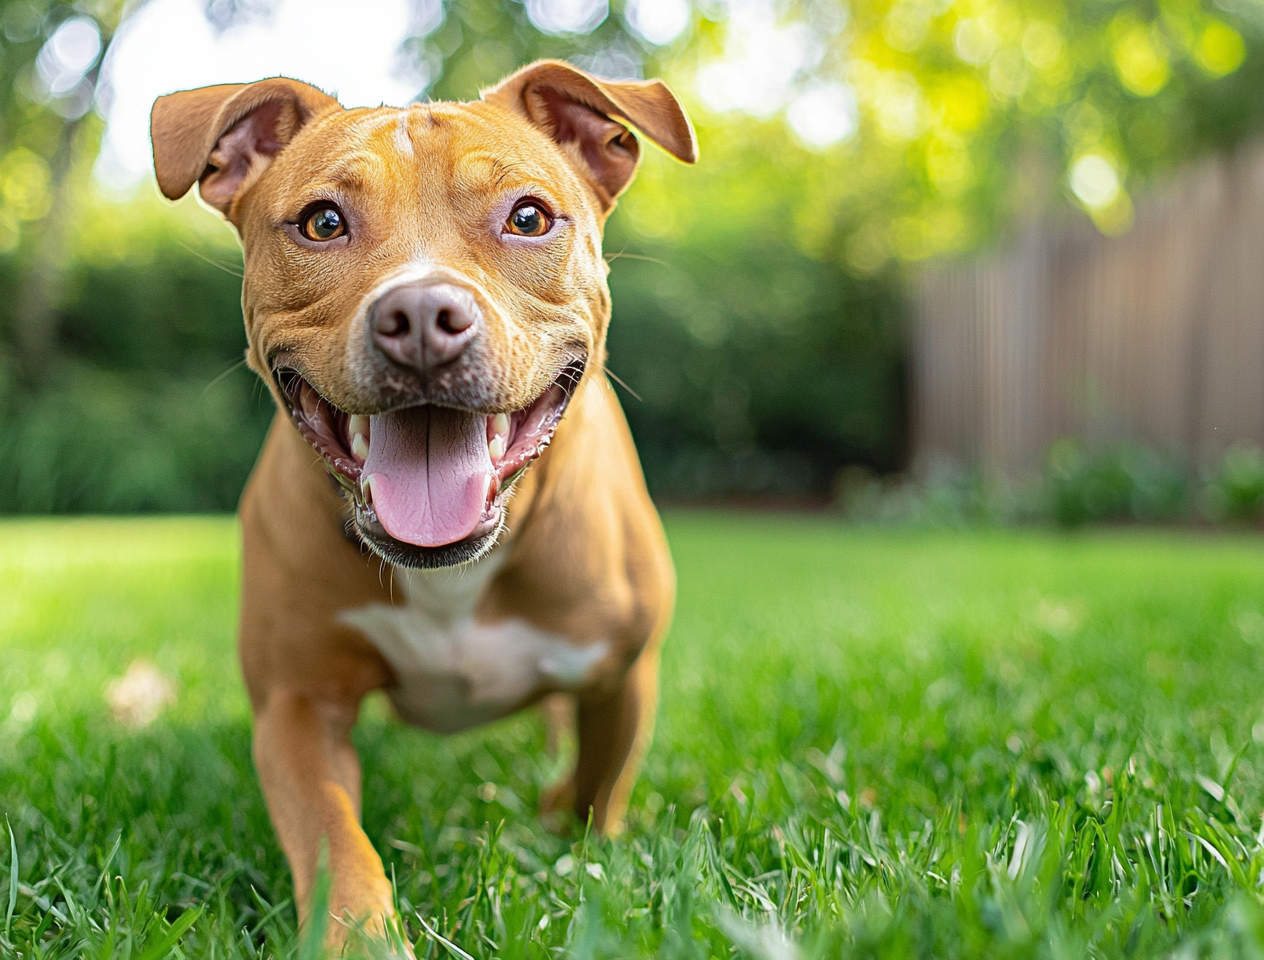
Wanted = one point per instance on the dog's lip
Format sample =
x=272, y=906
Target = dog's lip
x=332, y=433
x=321, y=424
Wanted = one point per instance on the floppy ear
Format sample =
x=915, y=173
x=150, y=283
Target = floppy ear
x=224, y=137
x=590, y=120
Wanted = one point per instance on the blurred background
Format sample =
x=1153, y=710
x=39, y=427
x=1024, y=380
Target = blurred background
x=951, y=260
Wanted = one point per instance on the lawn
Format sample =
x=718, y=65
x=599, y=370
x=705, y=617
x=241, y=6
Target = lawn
x=871, y=744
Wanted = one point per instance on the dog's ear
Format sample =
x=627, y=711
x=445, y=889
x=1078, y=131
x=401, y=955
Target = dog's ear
x=590, y=119
x=223, y=137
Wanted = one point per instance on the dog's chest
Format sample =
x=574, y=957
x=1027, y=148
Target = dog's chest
x=455, y=672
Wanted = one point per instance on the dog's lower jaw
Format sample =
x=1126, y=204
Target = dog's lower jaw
x=365, y=527
x=401, y=554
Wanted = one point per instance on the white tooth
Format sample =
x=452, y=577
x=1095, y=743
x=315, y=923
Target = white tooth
x=497, y=447
x=360, y=447
x=500, y=423
x=358, y=424
x=366, y=484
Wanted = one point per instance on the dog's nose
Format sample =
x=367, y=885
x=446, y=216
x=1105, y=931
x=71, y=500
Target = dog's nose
x=424, y=326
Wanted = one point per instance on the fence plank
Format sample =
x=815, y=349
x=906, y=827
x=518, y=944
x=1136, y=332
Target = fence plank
x=1156, y=336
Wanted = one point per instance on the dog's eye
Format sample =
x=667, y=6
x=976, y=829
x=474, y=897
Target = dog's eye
x=324, y=223
x=529, y=220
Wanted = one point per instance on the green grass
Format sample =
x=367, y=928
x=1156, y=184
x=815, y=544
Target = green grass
x=871, y=744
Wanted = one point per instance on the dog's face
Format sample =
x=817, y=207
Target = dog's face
x=424, y=287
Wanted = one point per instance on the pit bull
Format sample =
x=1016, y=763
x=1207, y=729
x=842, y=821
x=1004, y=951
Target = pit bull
x=448, y=506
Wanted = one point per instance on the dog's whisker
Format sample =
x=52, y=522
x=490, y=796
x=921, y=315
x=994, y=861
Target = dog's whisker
x=624, y=255
x=619, y=380
x=223, y=374
x=214, y=263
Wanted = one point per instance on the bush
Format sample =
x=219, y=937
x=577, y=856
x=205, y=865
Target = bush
x=121, y=441
x=1079, y=485
x=141, y=407
x=1236, y=490
x=758, y=371
x=1125, y=482
x=947, y=496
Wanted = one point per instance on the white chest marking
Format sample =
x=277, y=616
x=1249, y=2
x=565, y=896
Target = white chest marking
x=453, y=671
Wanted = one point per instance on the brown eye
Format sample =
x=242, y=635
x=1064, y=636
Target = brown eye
x=324, y=223
x=529, y=220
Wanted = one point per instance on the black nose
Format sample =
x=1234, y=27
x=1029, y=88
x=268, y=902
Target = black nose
x=424, y=326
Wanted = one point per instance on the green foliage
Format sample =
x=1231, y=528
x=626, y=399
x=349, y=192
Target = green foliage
x=762, y=376
x=974, y=115
x=758, y=297
x=946, y=497
x=146, y=406
x=1080, y=485
x=478, y=42
x=918, y=745
x=126, y=442
x=1122, y=482
x=969, y=113
x=1236, y=492
x=41, y=135
x=758, y=368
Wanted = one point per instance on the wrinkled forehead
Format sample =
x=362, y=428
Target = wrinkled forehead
x=438, y=152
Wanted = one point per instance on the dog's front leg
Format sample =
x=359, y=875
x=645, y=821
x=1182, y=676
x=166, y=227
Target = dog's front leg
x=613, y=727
x=311, y=779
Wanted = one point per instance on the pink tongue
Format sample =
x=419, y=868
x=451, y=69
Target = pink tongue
x=431, y=472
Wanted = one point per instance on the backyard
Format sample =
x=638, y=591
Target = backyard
x=872, y=742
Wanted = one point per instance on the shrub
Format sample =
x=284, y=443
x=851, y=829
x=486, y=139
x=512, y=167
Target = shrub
x=1125, y=482
x=946, y=496
x=1236, y=489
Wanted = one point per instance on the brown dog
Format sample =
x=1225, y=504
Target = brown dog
x=426, y=297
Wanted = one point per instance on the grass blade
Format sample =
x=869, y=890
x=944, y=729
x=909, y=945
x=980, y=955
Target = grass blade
x=13, y=879
x=312, y=945
x=173, y=935
x=439, y=938
x=105, y=867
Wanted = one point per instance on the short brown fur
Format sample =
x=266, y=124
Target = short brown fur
x=584, y=556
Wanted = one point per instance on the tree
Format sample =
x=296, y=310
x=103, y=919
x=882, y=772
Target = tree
x=50, y=72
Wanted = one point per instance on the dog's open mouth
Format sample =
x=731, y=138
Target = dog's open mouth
x=428, y=482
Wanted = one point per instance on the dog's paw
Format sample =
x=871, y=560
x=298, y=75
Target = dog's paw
x=560, y=796
x=376, y=938
x=557, y=806
x=369, y=931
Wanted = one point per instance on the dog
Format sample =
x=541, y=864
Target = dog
x=448, y=505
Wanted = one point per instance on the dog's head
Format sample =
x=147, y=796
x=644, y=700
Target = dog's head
x=424, y=287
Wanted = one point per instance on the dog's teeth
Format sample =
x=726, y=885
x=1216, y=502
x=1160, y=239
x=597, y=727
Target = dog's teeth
x=500, y=436
x=358, y=424
x=360, y=447
x=366, y=484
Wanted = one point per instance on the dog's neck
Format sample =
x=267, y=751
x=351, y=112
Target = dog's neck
x=451, y=595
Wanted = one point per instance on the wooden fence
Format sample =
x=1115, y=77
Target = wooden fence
x=1156, y=336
